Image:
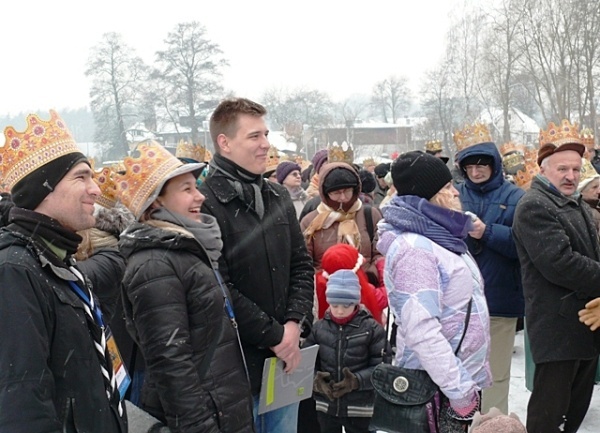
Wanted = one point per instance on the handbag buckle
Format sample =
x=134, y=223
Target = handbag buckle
x=400, y=384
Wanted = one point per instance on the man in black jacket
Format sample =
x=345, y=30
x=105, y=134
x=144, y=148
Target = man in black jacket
x=56, y=372
x=264, y=259
x=557, y=244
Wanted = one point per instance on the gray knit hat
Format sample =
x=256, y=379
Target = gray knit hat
x=343, y=288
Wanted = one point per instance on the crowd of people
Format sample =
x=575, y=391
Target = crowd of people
x=164, y=283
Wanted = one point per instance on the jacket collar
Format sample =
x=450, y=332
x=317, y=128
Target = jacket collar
x=225, y=192
x=553, y=194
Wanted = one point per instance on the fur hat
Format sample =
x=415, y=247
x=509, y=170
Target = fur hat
x=343, y=288
x=418, y=173
x=496, y=422
x=367, y=180
x=284, y=169
x=319, y=159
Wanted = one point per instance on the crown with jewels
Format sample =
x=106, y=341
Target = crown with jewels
x=587, y=173
x=560, y=134
x=524, y=176
x=587, y=137
x=42, y=141
x=471, y=135
x=105, y=179
x=340, y=153
x=272, y=158
x=144, y=173
x=513, y=157
x=196, y=152
x=369, y=162
x=433, y=146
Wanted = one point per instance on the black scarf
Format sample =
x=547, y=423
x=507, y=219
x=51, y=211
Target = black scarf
x=247, y=185
x=38, y=226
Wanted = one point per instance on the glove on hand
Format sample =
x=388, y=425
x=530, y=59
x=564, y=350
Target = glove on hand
x=322, y=384
x=465, y=408
x=347, y=384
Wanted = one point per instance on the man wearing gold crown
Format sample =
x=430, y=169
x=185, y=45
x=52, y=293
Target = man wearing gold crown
x=487, y=194
x=56, y=372
x=558, y=248
x=264, y=255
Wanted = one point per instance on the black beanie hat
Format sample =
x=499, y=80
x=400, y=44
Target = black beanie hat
x=476, y=160
x=30, y=191
x=418, y=173
x=367, y=181
x=381, y=170
x=339, y=178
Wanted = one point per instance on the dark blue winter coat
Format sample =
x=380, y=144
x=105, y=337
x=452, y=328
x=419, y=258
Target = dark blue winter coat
x=494, y=202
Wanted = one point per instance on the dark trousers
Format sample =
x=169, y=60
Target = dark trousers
x=307, y=417
x=562, y=392
x=334, y=424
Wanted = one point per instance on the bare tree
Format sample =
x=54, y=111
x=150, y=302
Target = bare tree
x=391, y=97
x=117, y=75
x=191, y=69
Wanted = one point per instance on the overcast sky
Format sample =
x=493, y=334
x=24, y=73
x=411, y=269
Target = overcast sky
x=340, y=47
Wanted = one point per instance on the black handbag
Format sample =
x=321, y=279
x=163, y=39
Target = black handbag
x=407, y=400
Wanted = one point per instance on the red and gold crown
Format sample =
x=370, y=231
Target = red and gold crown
x=105, y=179
x=144, y=174
x=560, y=134
x=587, y=138
x=196, y=152
x=40, y=143
x=471, y=135
x=433, y=146
x=340, y=153
x=272, y=158
x=524, y=176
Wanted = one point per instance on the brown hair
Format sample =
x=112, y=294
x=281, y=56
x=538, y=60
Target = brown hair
x=224, y=118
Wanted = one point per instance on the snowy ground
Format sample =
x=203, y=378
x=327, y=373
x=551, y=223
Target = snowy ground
x=519, y=395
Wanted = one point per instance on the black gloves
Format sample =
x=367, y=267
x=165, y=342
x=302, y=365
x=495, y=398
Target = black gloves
x=322, y=384
x=347, y=384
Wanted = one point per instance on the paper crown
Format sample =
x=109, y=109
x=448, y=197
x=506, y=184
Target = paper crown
x=196, y=152
x=513, y=157
x=471, y=135
x=524, y=176
x=272, y=158
x=369, y=162
x=433, y=146
x=303, y=163
x=41, y=142
x=144, y=174
x=587, y=174
x=560, y=134
x=587, y=138
x=340, y=153
x=105, y=179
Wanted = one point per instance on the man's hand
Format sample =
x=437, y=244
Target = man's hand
x=288, y=350
x=591, y=314
x=478, y=229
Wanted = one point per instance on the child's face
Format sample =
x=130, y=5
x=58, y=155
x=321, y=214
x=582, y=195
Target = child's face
x=342, y=311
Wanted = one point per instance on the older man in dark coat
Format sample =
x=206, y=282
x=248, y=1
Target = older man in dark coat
x=557, y=244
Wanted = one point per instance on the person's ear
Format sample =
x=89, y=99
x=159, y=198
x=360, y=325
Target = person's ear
x=223, y=143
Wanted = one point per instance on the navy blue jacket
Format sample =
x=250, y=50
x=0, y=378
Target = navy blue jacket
x=494, y=202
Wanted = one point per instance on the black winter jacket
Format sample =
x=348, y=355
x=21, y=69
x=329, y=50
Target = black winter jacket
x=50, y=377
x=557, y=244
x=195, y=379
x=357, y=345
x=266, y=263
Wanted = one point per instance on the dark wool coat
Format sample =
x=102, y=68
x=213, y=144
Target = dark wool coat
x=494, y=202
x=195, y=379
x=558, y=249
x=357, y=345
x=50, y=378
x=266, y=263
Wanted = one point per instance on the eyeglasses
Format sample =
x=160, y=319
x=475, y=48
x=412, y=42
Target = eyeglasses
x=476, y=167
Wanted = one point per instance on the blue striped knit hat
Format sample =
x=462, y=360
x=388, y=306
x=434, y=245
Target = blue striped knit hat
x=343, y=288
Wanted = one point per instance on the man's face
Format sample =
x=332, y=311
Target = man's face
x=563, y=170
x=249, y=146
x=72, y=201
x=381, y=182
x=478, y=173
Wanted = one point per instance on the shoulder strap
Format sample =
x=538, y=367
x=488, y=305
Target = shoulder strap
x=369, y=220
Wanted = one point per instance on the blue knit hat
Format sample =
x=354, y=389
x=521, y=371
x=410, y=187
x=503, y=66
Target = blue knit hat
x=343, y=288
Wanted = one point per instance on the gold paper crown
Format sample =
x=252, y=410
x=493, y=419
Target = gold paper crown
x=471, y=135
x=561, y=134
x=433, y=146
x=303, y=163
x=40, y=143
x=196, y=152
x=524, y=176
x=513, y=157
x=340, y=153
x=369, y=162
x=587, y=173
x=587, y=137
x=143, y=174
x=105, y=179
x=272, y=158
